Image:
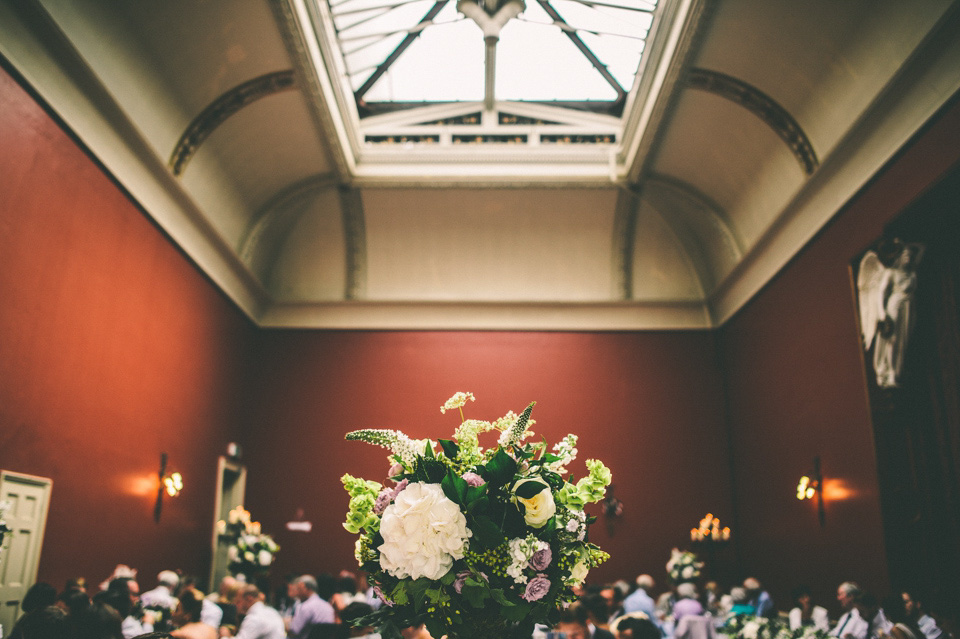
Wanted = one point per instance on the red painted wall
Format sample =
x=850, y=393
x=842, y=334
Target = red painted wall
x=113, y=349
x=650, y=405
x=797, y=388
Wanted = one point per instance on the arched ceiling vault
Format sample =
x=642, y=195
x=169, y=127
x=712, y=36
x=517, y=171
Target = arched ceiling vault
x=232, y=124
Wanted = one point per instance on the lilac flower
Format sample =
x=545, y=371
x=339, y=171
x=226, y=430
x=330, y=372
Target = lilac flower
x=537, y=588
x=473, y=479
x=381, y=596
x=541, y=559
x=399, y=487
x=383, y=500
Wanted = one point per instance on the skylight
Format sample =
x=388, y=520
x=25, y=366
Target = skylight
x=574, y=53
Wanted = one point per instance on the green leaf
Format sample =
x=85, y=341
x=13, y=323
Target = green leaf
x=486, y=533
x=450, y=449
x=501, y=469
x=516, y=612
x=529, y=488
x=428, y=450
x=500, y=598
x=454, y=487
x=475, y=595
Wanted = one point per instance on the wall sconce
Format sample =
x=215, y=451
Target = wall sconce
x=811, y=486
x=170, y=483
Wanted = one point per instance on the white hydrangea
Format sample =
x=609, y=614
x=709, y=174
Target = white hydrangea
x=423, y=533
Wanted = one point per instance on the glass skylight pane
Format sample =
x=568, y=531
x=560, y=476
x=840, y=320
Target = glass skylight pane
x=444, y=64
x=537, y=61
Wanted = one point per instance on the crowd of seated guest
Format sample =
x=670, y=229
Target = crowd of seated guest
x=327, y=607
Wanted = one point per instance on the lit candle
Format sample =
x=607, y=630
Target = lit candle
x=221, y=527
x=693, y=534
x=726, y=534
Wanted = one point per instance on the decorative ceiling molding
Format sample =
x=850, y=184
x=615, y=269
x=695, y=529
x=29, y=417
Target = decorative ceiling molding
x=355, y=237
x=761, y=105
x=222, y=108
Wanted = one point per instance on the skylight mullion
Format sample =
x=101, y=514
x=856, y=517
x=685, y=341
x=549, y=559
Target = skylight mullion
x=584, y=49
x=414, y=30
x=385, y=7
x=563, y=26
x=407, y=41
x=597, y=3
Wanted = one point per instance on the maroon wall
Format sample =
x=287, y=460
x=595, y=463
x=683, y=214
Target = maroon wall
x=797, y=389
x=113, y=349
x=650, y=405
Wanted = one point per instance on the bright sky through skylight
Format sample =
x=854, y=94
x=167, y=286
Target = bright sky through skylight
x=535, y=57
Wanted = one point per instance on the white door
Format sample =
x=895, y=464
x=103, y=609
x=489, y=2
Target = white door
x=29, y=499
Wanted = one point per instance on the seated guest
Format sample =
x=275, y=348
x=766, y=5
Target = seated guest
x=350, y=615
x=74, y=602
x=598, y=610
x=188, y=617
x=100, y=621
x=870, y=611
x=740, y=602
x=687, y=603
x=35, y=600
x=346, y=591
x=123, y=594
x=161, y=597
x=575, y=624
x=913, y=604
x=759, y=598
x=903, y=627
x=850, y=625
x=807, y=614
x=635, y=625
x=260, y=620
x=641, y=600
x=48, y=622
x=312, y=610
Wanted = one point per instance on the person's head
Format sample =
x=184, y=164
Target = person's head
x=573, y=622
x=738, y=595
x=713, y=587
x=636, y=627
x=47, y=622
x=598, y=610
x=73, y=602
x=100, y=621
x=847, y=593
x=895, y=609
x=118, y=598
x=39, y=595
x=686, y=590
x=351, y=613
x=752, y=585
x=228, y=587
x=867, y=605
x=304, y=586
x=188, y=608
x=347, y=582
x=247, y=597
x=912, y=603
x=125, y=586
x=75, y=583
x=801, y=596
x=326, y=586
x=169, y=579
x=645, y=582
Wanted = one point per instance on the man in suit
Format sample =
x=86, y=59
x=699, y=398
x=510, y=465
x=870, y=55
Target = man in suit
x=575, y=624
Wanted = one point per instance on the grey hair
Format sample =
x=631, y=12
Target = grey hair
x=738, y=594
x=687, y=590
x=850, y=588
x=645, y=582
x=168, y=578
x=307, y=580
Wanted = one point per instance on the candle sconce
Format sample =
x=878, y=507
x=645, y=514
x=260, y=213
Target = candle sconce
x=811, y=487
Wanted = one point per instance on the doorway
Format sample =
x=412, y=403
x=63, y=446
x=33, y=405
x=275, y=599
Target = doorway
x=231, y=489
x=29, y=499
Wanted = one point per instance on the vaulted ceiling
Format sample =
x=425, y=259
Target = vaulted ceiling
x=229, y=122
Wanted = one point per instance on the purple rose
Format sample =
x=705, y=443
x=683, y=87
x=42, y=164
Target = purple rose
x=395, y=470
x=541, y=559
x=537, y=588
x=461, y=579
x=473, y=479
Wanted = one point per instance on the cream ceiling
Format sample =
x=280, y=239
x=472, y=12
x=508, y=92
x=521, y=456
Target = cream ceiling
x=763, y=118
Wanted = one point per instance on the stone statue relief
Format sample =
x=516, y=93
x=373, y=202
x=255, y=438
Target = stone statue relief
x=886, y=301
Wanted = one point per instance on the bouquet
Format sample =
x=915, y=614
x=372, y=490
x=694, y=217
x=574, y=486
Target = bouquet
x=683, y=566
x=474, y=542
x=751, y=627
x=250, y=552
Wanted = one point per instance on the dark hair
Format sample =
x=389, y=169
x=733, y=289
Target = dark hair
x=574, y=613
x=326, y=586
x=116, y=599
x=867, y=600
x=39, y=595
x=355, y=611
x=76, y=601
x=799, y=591
x=48, y=622
x=347, y=584
x=640, y=628
x=100, y=621
x=596, y=605
x=192, y=603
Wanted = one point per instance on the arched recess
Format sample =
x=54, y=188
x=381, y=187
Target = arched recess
x=307, y=243
x=672, y=243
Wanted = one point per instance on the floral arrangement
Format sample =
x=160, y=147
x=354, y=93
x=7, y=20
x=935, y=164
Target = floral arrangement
x=474, y=542
x=683, y=566
x=752, y=627
x=250, y=552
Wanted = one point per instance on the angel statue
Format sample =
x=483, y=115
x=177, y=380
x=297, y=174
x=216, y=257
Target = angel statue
x=886, y=300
